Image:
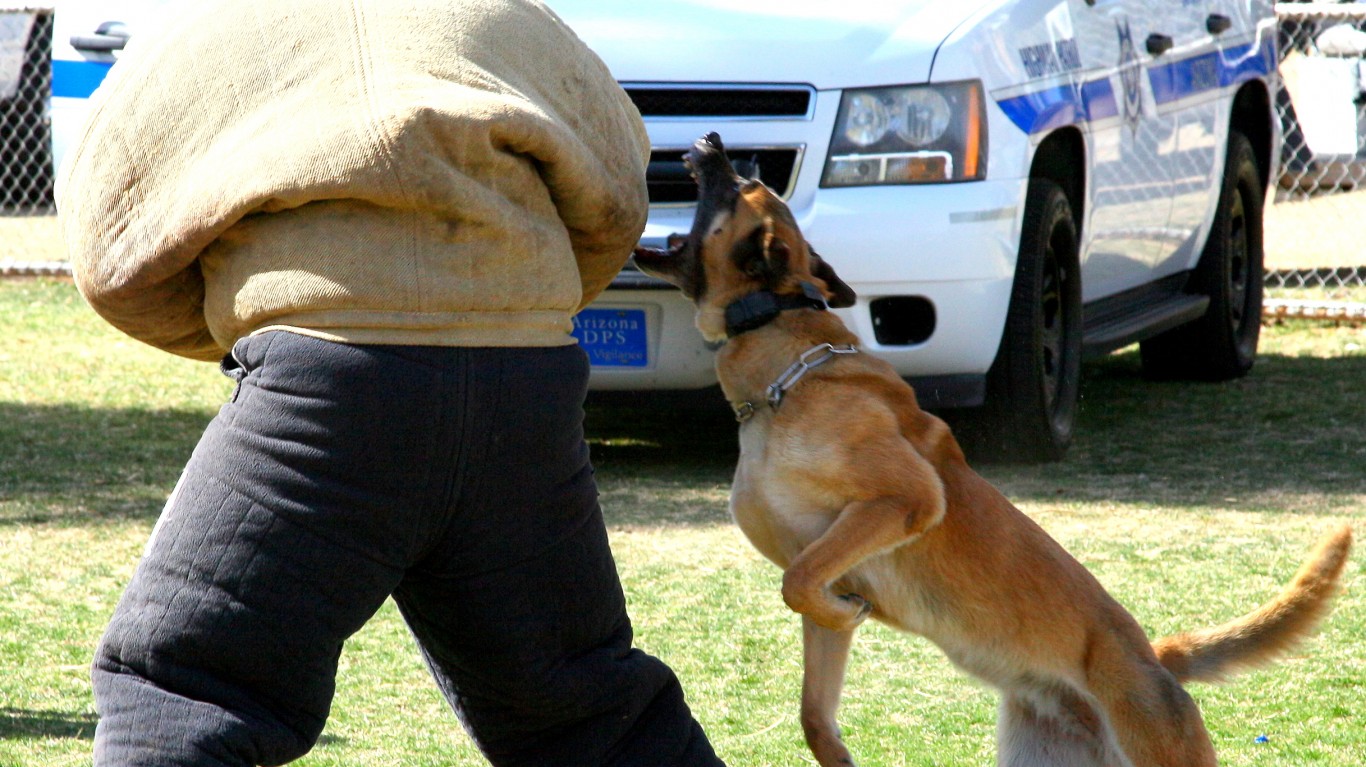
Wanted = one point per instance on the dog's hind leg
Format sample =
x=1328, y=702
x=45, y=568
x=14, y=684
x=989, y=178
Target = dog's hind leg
x=1053, y=726
x=825, y=657
x=1154, y=719
x=1159, y=725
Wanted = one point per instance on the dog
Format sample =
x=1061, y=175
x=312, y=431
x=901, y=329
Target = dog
x=869, y=506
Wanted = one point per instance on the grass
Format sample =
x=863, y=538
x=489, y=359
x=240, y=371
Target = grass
x=1191, y=502
x=1354, y=294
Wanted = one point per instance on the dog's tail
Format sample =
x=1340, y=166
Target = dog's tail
x=1210, y=655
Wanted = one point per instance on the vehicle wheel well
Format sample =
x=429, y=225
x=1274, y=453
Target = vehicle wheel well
x=1252, y=116
x=1061, y=158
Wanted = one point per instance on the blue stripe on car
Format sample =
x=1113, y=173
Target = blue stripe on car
x=1046, y=109
x=77, y=79
x=1064, y=105
x=1249, y=62
x=1209, y=71
x=1099, y=98
x=1095, y=100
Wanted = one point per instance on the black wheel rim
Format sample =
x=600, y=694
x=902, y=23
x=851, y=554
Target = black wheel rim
x=1237, y=262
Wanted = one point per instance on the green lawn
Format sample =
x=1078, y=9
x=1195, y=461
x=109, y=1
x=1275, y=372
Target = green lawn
x=1191, y=502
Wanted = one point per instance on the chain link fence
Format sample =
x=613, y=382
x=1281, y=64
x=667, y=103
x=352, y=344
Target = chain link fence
x=1316, y=266
x=1315, y=227
x=28, y=234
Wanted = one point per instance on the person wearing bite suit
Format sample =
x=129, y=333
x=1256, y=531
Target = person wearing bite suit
x=381, y=217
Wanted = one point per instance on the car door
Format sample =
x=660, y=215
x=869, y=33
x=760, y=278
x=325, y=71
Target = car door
x=1129, y=190
x=1185, y=77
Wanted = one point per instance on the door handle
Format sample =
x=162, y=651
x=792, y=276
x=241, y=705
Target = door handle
x=1159, y=44
x=111, y=36
x=1218, y=23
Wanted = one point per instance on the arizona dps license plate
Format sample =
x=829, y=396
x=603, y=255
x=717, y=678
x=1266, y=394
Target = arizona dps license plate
x=14, y=28
x=613, y=337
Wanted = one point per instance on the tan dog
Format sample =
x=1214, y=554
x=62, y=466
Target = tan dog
x=867, y=504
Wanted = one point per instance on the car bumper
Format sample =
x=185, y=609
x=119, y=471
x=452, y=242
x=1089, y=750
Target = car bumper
x=949, y=249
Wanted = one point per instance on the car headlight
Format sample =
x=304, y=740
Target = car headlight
x=912, y=134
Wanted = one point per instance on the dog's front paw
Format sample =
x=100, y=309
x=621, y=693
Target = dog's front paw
x=832, y=754
x=823, y=738
x=863, y=606
x=817, y=602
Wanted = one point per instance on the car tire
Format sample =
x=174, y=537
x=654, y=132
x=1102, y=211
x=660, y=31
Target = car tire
x=1221, y=344
x=1034, y=382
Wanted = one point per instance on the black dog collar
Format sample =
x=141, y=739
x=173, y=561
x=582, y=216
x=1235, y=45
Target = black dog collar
x=760, y=308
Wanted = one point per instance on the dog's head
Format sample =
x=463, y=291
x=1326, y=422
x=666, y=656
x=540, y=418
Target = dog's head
x=743, y=239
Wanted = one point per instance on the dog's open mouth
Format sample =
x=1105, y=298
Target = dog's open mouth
x=718, y=185
x=709, y=165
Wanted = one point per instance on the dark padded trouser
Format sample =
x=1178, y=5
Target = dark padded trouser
x=456, y=480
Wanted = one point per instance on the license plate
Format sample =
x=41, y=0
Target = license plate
x=613, y=338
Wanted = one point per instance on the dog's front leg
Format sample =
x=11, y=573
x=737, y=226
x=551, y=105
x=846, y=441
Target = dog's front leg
x=825, y=656
x=862, y=529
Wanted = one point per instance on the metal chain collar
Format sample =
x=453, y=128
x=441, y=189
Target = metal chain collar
x=813, y=357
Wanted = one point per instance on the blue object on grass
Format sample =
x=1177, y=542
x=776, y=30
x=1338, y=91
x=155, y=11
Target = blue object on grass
x=1262, y=739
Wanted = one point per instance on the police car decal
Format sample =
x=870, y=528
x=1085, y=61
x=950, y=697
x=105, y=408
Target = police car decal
x=1130, y=75
x=1091, y=101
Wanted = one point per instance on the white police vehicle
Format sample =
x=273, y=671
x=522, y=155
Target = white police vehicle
x=1009, y=185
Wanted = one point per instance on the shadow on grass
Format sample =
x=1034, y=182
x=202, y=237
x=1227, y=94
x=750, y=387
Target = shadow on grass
x=663, y=461
x=1295, y=426
x=65, y=464
x=18, y=723
x=683, y=436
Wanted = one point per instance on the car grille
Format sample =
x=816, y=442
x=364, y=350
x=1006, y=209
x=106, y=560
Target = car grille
x=690, y=101
x=670, y=183
x=668, y=179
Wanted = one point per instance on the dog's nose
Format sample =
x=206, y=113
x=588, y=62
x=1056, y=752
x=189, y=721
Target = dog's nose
x=709, y=164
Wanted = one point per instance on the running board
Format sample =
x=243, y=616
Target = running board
x=1117, y=321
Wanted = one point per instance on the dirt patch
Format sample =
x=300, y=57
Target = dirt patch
x=30, y=238
x=1325, y=231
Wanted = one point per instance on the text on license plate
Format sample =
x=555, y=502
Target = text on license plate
x=613, y=337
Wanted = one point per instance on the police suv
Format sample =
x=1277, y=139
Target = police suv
x=1009, y=185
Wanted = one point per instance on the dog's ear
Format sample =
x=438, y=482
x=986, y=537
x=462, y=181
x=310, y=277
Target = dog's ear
x=841, y=295
x=761, y=256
